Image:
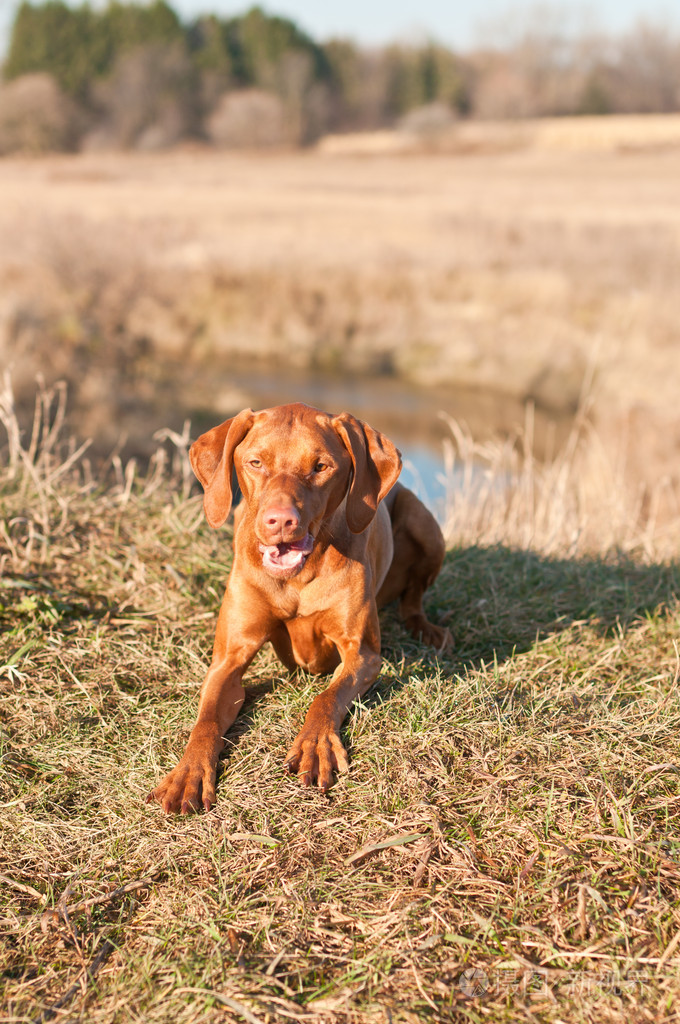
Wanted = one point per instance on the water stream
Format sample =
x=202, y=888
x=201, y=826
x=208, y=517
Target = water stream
x=409, y=415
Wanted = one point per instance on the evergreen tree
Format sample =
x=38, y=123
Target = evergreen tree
x=257, y=42
x=77, y=44
x=55, y=38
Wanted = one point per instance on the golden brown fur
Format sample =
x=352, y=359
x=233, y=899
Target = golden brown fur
x=324, y=536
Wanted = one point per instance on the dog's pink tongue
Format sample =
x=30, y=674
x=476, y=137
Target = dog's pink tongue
x=283, y=560
x=286, y=556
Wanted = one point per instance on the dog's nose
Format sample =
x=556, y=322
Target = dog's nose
x=281, y=520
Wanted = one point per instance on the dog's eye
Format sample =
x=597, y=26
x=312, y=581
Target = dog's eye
x=320, y=466
x=255, y=463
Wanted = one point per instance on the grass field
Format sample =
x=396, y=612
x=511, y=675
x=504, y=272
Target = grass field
x=504, y=848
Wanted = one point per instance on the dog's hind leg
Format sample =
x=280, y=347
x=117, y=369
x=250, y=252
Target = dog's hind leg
x=418, y=555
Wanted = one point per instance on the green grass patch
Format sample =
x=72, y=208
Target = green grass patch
x=516, y=803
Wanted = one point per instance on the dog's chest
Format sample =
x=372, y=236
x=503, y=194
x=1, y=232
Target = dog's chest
x=311, y=600
x=312, y=649
x=316, y=597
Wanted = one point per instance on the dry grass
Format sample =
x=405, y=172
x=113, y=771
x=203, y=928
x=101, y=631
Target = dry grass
x=516, y=274
x=575, y=500
x=511, y=810
x=623, y=132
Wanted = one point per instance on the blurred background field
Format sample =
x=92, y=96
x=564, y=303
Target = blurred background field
x=146, y=76
x=189, y=284
x=203, y=211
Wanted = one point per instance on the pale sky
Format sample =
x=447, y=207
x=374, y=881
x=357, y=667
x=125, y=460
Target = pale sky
x=458, y=24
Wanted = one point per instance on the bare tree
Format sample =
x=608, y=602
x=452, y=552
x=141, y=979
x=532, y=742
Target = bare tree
x=248, y=118
x=649, y=70
x=151, y=98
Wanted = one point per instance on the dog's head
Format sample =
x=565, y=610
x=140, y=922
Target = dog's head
x=295, y=466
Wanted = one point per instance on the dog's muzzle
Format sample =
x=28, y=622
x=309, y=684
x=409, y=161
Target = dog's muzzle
x=286, y=559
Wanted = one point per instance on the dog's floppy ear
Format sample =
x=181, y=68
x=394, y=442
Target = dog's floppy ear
x=377, y=464
x=212, y=459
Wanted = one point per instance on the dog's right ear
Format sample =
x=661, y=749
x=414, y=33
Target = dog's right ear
x=212, y=460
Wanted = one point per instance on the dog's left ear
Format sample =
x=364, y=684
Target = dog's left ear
x=376, y=463
x=212, y=460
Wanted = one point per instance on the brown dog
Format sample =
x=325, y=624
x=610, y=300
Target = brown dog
x=316, y=551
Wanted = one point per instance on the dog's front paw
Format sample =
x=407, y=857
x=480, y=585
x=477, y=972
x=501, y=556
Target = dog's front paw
x=316, y=754
x=187, y=787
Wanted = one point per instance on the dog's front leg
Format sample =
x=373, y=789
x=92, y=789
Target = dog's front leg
x=318, y=751
x=192, y=783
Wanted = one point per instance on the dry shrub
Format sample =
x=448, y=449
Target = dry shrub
x=429, y=124
x=247, y=118
x=46, y=470
x=36, y=116
x=582, y=500
x=74, y=328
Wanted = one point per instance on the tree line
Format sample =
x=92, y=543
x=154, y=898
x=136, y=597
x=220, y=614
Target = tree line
x=137, y=75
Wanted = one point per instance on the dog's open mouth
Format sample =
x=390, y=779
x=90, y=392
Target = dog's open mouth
x=286, y=559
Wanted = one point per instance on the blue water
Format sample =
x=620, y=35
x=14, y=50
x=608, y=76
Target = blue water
x=408, y=415
x=423, y=473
